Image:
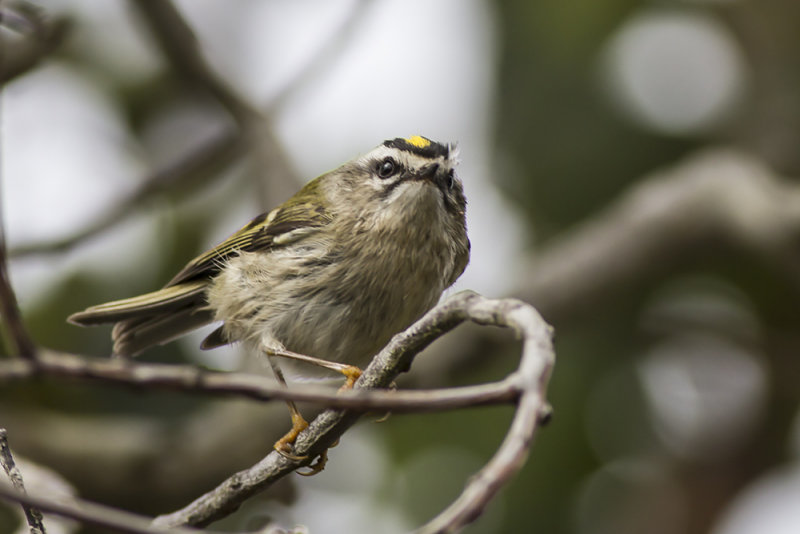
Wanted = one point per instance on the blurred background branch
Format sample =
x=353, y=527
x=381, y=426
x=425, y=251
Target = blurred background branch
x=18, y=340
x=179, y=44
x=31, y=37
x=200, y=165
x=717, y=200
x=203, y=163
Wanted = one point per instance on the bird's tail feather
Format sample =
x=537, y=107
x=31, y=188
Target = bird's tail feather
x=162, y=301
x=150, y=319
x=135, y=335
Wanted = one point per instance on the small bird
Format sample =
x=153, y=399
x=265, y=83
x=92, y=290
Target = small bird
x=327, y=278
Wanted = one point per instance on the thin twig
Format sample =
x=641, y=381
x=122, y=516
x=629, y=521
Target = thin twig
x=95, y=514
x=393, y=359
x=32, y=513
x=193, y=379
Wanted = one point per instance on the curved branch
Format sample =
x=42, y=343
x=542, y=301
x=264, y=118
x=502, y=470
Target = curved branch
x=527, y=386
x=532, y=376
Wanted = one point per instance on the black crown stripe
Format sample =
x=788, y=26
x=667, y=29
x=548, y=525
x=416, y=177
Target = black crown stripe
x=432, y=150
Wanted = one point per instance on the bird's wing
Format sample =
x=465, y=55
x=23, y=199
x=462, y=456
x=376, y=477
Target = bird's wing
x=299, y=217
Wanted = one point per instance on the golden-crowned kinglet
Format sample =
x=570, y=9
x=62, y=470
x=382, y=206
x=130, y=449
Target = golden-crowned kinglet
x=352, y=258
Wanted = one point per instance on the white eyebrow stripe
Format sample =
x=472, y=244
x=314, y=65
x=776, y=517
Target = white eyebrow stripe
x=408, y=160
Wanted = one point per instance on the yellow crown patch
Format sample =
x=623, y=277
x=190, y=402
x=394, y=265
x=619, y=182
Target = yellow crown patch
x=418, y=141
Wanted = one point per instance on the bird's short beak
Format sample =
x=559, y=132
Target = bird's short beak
x=428, y=172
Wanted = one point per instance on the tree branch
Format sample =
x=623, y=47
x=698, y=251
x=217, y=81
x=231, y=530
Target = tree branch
x=526, y=387
x=532, y=375
x=32, y=514
x=193, y=379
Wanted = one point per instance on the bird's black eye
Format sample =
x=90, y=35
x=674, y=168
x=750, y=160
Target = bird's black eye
x=386, y=168
x=451, y=178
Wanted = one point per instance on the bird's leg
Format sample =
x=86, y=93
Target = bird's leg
x=351, y=372
x=284, y=445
